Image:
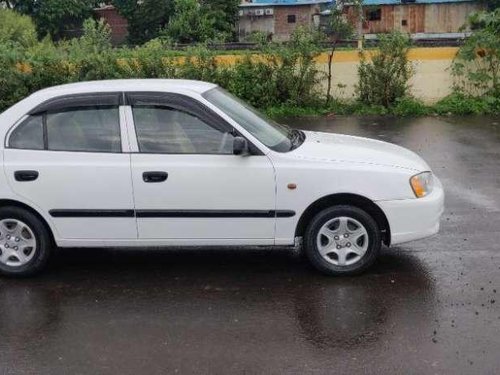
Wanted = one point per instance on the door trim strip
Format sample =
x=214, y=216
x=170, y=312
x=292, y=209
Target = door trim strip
x=173, y=213
x=214, y=213
x=92, y=213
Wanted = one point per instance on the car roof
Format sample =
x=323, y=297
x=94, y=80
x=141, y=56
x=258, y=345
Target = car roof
x=127, y=85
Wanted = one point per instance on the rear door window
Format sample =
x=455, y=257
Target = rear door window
x=28, y=135
x=79, y=123
x=87, y=129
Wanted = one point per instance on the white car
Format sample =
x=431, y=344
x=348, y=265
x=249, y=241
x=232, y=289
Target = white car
x=149, y=163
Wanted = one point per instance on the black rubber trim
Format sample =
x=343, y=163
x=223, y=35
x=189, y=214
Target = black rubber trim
x=214, y=213
x=67, y=102
x=174, y=213
x=285, y=213
x=92, y=213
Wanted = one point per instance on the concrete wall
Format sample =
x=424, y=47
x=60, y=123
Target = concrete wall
x=431, y=82
x=249, y=24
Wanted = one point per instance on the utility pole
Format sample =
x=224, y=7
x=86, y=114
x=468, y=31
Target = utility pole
x=359, y=6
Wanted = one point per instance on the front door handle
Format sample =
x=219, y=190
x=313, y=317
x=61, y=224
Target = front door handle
x=154, y=177
x=24, y=176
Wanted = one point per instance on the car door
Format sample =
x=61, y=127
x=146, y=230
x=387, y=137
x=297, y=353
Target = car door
x=188, y=185
x=66, y=159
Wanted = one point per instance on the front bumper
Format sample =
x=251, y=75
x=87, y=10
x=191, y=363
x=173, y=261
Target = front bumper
x=413, y=219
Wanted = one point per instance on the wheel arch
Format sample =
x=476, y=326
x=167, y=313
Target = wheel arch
x=15, y=203
x=345, y=199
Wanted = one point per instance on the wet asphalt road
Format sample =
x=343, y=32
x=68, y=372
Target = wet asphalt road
x=426, y=307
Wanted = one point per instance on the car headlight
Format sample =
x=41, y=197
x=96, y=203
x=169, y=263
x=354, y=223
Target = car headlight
x=422, y=184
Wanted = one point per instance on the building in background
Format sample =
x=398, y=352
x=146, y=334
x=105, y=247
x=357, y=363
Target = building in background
x=420, y=18
x=278, y=18
x=117, y=23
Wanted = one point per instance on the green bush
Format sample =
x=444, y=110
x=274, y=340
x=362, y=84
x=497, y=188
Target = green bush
x=16, y=28
x=193, y=23
x=282, y=75
x=461, y=104
x=385, y=78
x=59, y=18
x=476, y=67
x=409, y=106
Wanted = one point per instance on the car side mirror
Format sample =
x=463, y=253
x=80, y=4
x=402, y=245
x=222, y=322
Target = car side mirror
x=240, y=146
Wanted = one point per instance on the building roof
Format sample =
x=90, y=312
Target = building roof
x=259, y=3
x=399, y=2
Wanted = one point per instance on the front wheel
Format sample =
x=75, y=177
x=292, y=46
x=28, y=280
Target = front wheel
x=25, y=242
x=342, y=240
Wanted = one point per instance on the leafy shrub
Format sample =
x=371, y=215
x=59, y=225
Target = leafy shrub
x=16, y=28
x=477, y=65
x=190, y=23
x=408, y=106
x=59, y=18
x=461, y=104
x=194, y=21
x=362, y=109
x=283, y=75
x=385, y=79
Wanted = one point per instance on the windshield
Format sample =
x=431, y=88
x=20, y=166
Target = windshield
x=277, y=137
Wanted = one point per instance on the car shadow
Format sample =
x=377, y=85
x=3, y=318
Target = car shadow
x=328, y=311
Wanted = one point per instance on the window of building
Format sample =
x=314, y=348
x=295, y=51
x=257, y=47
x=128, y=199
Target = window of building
x=292, y=18
x=404, y=23
x=374, y=14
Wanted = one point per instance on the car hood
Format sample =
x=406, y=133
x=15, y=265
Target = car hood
x=337, y=147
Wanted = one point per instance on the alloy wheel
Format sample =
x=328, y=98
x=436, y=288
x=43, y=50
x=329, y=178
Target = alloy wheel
x=17, y=243
x=342, y=241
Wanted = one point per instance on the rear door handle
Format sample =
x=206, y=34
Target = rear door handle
x=24, y=176
x=154, y=177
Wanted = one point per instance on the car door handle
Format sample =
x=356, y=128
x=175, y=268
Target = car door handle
x=24, y=176
x=154, y=177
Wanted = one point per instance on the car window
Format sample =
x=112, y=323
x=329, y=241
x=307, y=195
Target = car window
x=92, y=129
x=172, y=131
x=275, y=136
x=28, y=135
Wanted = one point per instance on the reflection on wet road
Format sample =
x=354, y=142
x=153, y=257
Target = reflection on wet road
x=426, y=307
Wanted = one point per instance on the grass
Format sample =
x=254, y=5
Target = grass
x=454, y=104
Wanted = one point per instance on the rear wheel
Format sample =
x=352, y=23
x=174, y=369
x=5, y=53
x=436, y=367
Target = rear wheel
x=342, y=240
x=25, y=242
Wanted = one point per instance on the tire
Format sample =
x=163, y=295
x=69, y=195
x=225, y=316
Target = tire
x=339, y=251
x=25, y=242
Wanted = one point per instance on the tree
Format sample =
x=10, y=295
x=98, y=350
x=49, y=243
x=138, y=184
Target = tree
x=145, y=19
x=225, y=13
x=477, y=63
x=338, y=28
x=491, y=4
x=57, y=18
x=61, y=18
x=192, y=22
x=16, y=28
x=13, y=4
x=384, y=79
